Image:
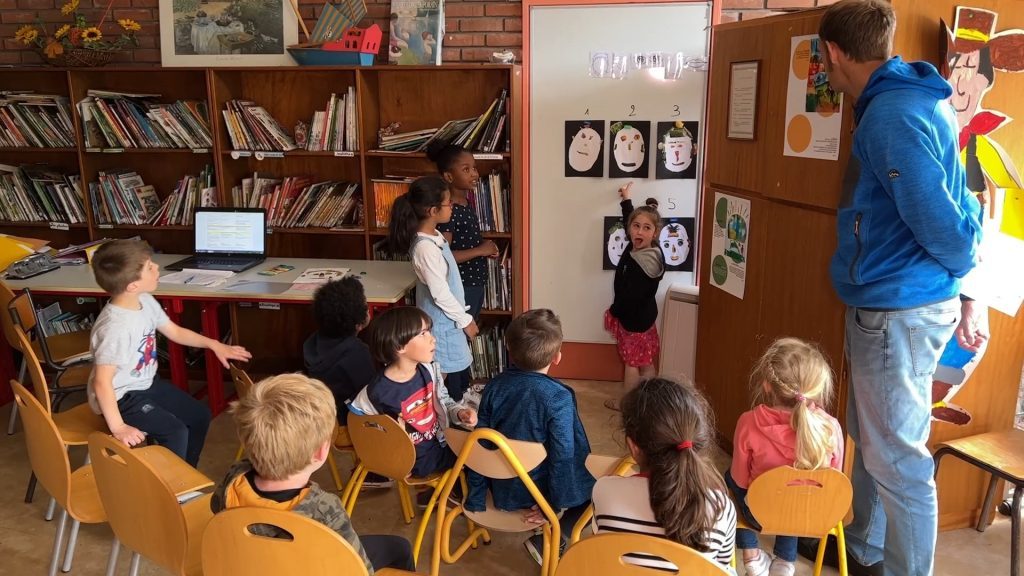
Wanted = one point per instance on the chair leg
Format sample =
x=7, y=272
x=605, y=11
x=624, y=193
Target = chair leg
x=844, y=570
x=819, y=560
x=338, y=484
x=50, y=509
x=30, y=491
x=987, y=506
x=115, y=551
x=133, y=570
x=1018, y=492
x=14, y=418
x=57, y=541
x=426, y=518
x=69, y=552
x=239, y=454
x=355, y=485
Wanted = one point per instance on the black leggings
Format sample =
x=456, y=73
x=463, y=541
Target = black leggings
x=388, y=552
x=457, y=383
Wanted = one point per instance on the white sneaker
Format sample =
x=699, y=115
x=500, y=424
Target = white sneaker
x=782, y=568
x=760, y=565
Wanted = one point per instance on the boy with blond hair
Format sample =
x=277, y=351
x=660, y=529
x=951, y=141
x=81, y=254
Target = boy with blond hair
x=123, y=386
x=286, y=424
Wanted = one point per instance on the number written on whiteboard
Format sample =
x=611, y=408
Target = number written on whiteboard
x=675, y=110
x=632, y=110
x=671, y=203
x=587, y=113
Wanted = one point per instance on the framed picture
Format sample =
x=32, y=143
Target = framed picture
x=744, y=78
x=231, y=33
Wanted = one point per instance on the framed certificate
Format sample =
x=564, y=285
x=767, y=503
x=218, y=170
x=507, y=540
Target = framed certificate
x=744, y=78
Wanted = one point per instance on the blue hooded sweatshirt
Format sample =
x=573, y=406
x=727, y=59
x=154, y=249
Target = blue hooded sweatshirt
x=908, y=227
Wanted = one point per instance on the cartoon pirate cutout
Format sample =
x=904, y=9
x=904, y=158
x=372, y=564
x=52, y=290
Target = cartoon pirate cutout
x=971, y=55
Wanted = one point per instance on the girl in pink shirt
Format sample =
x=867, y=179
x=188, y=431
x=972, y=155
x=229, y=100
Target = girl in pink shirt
x=788, y=426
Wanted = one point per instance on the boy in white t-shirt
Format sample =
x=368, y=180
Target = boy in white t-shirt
x=123, y=386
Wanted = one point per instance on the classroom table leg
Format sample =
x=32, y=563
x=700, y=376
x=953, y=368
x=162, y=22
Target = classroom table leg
x=179, y=371
x=214, y=370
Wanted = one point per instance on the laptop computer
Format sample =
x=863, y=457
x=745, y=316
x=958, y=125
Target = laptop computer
x=227, y=239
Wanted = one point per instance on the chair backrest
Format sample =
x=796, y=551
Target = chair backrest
x=799, y=502
x=243, y=384
x=46, y=450
x=23, y=312
x=142, y=510
x=381, y=445
x=6, y=319
x=600, y=465
x=230, y=548
x=601, y=555
x=34, y=368
x=498, y=464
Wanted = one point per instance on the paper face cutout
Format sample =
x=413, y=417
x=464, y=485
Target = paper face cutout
x=615, y=242
x=628, y=141
x=677, y=150
x=675, y=244
x=584, y=155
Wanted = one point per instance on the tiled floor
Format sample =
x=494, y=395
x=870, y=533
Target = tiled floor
x=26, y=539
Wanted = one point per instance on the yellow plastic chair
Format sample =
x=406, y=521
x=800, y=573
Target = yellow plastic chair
x=229, y=548
x=143, y=509
x=383, y=447
x=510, y=459
x=75, y=492
x=804, y=503
x=243, y=384
x=602, y=555
x=600, y=466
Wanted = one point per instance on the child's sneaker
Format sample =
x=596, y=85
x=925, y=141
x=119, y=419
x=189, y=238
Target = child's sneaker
x=760, y=565
x=374, y=481
x=535, y=546
x=781, y=567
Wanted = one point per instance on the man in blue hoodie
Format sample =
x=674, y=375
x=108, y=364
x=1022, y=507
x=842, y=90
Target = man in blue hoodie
x=908, y=231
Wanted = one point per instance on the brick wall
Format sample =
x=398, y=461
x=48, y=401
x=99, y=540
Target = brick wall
x=474, y=29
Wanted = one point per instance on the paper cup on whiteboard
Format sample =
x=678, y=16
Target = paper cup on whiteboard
x=600, y=64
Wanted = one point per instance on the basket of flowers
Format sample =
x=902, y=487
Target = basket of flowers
x=79, y=43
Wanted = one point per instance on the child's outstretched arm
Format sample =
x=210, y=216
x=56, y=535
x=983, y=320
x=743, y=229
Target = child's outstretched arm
x=187, y=337
x=626, y=204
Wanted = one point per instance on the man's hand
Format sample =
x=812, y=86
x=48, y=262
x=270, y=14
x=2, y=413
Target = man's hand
x=225, y=353
x=128, y=435
x=468, y=417
x=972, y=332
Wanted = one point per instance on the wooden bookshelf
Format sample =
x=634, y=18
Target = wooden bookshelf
x=416, y=96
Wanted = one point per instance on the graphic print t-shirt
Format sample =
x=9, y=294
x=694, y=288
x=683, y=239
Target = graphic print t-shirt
x=127, y=339
x=412, y=403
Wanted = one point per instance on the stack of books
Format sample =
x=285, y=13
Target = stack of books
x=122, y=120
x=487, y=132
x=39, y=193
x=334, y=128
x=191, y=192
x=381, y=251
x=54, y=321
x=122, y=198
x=405, y=141
x=498, y=295
x=490, y=356
x=35, y=120
x=491, y=203
x=295, y=202
x=385, y=190
x=253, y=128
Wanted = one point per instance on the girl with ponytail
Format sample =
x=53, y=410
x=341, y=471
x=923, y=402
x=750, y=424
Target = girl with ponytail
x=678, y=493
x=791, y=385
x=413, y=229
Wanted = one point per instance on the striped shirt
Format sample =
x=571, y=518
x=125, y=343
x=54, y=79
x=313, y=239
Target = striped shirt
x=622, y=504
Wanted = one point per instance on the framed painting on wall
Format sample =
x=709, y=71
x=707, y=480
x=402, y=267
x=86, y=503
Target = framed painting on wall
x=230, y=33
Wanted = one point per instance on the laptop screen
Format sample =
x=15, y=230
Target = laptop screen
x=230, y=232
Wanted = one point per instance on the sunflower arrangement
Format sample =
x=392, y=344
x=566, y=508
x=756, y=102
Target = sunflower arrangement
x=78, y=43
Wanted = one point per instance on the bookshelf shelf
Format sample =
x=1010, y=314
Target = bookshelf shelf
x=26, y=149
x=479, y=156
x=496, y=235
x=487, y=312
x=142, y=227
x=115, y=151
x=16, y=224
x=325, y=231
x=246, y=154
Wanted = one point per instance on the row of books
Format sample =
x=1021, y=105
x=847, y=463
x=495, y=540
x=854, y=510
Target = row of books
x=39, y=193
x=490, y=357
x=54, y=321
x=251, y=127
x=491, y=203
x=296, y=202
x=334, y=128
x=413, y=141
x=385, y=191
x=35, y=120
x=498, y=293
x=122, y=197
x=488, y=133
x=122, y=120
x=381, y=251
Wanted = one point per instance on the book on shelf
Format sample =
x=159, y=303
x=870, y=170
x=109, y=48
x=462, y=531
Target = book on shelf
x=251, y=127
x=122, y=120
x=490, y=201
x=385, y=191
x=334, y=129
x=381, y=251
x=412, y=141
x=417, y=32
x=39, y=193
x=35, y=120
x=498, y=292
x=485, y=133
x=54, y=321
x=490, y=357
x=121, y=197
x=297, y=202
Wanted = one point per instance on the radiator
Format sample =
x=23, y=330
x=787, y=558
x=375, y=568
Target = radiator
x=679, y=333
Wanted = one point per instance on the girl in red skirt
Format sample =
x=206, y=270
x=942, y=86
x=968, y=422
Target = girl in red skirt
x=634, y=310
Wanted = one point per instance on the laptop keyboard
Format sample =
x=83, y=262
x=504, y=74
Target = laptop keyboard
x=208, y=261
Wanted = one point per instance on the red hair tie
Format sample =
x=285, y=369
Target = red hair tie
x=685, y=444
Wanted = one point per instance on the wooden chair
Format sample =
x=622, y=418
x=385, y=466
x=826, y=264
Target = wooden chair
x=510, y=459
x=600, y=466
x=804, y=503
x=75, y=492
x=1001, y=454
x=143, y=509
x=384, y=448
x=602, y=555
x=230, y=548
x=243, y=384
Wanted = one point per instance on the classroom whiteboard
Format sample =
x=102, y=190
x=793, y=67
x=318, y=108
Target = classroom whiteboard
x=567, y=214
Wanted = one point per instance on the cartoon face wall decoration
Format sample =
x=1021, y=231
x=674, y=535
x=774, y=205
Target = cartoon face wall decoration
x=678, y=153
x=674, y=243
x=677, y=150
x=584, y=148
x=617, y=242
x=628, y=145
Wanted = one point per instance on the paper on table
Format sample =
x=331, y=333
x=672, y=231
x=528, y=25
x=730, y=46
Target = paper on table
x=192, y=277
x=321, y=275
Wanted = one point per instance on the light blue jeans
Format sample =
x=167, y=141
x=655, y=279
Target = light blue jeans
x=892, y=355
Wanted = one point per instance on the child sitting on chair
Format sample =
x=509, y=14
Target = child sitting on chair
x=524, y=403
x=286, y=424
